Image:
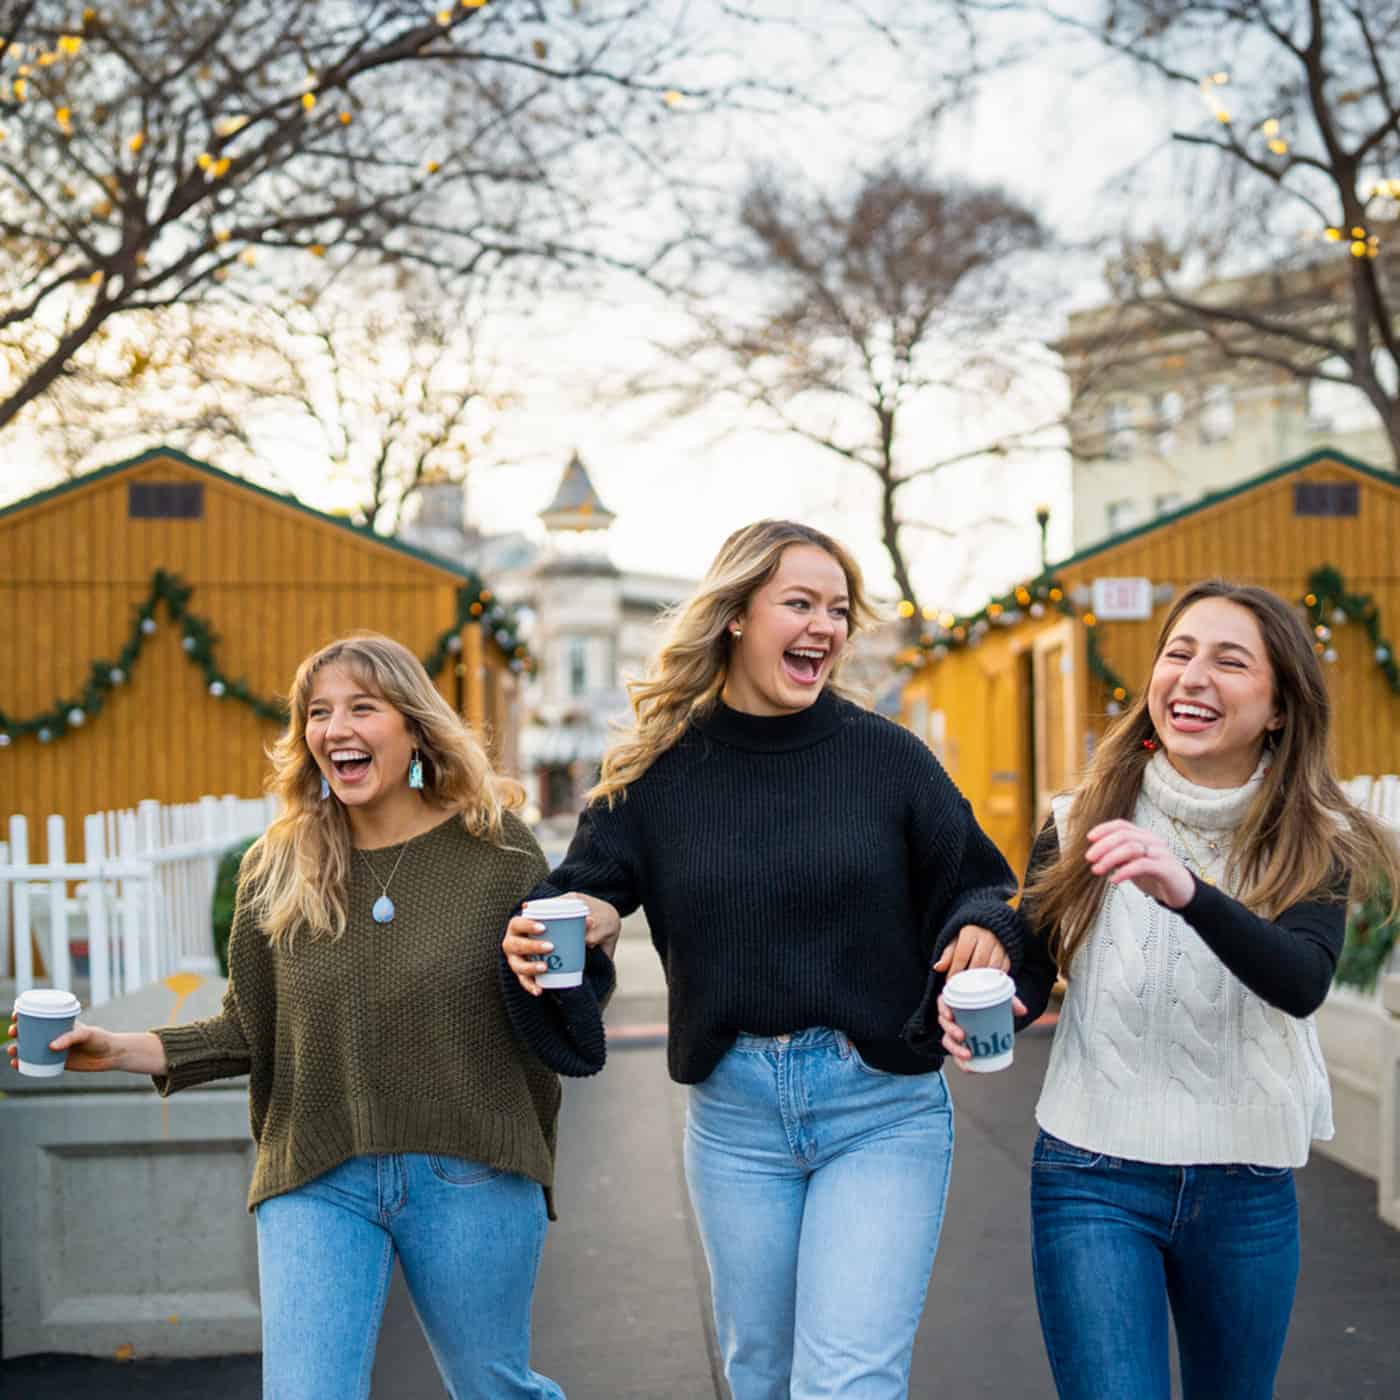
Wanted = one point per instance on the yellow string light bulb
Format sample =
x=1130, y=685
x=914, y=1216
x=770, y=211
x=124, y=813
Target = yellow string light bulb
x=308, y=100
x=672, y=98
x=432, y=167
x=230, y=126
x=1279, y=147
x=1270, y=127
x=1358, y=249
x=905, y=608
x=3, y=133
x=64, y=118
x=1220, y=79
x=946, y=619
x=136, y=142
x=317, y=250
x=473, y=4
x=47, y=59
x=1333, y=235
x=444, y=17
x=222, y=235
x=204, y=160
x=95, y=277
x=69, y=44
x=1358, y=233
x=345, y=119
x=249, y=256
x=994, y=609
x=221, y=167
x=19, y=87
x=1090, y=620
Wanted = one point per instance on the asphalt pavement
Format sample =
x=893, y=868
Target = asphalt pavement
x=622, y=1308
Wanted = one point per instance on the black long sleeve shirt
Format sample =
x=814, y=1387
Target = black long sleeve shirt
x=1287, y=962
x=797, y=870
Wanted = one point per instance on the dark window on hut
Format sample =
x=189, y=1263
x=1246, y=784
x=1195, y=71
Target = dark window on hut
x=165, y=500
x=1326, y=498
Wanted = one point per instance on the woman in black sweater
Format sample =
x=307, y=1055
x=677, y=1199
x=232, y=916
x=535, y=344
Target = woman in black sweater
x=810, y=875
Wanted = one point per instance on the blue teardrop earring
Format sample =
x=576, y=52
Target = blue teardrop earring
x=415, y=772
x=325, y=788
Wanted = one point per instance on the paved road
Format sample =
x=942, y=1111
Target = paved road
x=622, y=1313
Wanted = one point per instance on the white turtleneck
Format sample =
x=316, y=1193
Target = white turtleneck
x=1162, y=1054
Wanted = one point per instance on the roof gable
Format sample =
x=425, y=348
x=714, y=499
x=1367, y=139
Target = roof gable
x=360, y=533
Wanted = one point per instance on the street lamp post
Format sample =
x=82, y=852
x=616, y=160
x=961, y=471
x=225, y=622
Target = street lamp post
x=1042, y=518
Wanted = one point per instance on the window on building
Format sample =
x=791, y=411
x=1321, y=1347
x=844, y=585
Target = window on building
x=1118, y=429
x=165, y=500
x=578, y=666
x=1217, y=413
x=1122, y=515
x=1326, y=498
x=1167, y=501
x=1168, y=409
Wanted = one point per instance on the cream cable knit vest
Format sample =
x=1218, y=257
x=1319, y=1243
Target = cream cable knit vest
x=1162, y=1055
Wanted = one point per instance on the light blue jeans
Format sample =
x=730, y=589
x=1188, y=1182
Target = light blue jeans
x=468, y=1238
x=818, y=1185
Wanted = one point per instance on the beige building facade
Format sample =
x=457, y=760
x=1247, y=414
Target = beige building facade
x=1162, y=417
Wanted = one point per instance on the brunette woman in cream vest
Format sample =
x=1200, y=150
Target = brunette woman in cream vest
x=1193, y=890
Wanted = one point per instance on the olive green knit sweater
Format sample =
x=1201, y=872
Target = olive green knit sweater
x=393, y=1038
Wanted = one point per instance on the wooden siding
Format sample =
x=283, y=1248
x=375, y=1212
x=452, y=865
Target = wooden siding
x=273, y=581
x=987, y=694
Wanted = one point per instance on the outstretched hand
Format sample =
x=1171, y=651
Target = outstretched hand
x=90, y=1049
x=1122, y=851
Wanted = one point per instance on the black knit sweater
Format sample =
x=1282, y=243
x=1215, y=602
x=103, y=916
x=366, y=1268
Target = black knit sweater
x=800, y=870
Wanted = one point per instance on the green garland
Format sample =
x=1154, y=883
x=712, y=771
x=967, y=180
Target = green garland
x=1329, y=605
x=1033, y=598
x=1327, y=602
x=475, y=605
x=1370, y=939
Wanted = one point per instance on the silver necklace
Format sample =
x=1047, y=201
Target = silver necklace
x=383, y=910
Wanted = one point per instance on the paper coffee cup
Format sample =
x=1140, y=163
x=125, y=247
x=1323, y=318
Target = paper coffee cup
x=980, y=1000
x=565, y=922
x=42, y=1015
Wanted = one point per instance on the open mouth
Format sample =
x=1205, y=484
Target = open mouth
x=350, y=764
x=1191, y=718
x=804, y=664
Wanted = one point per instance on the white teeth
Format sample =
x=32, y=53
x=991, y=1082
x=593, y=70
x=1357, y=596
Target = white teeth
x=347, y=755
x=811, y=652
x=1193, y=712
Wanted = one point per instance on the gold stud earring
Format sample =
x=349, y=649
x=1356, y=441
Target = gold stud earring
x=736, y=632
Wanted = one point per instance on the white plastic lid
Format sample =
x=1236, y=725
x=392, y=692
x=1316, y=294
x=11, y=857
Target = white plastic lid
x=978, y=987
x=47, y=1001
x=561, y=907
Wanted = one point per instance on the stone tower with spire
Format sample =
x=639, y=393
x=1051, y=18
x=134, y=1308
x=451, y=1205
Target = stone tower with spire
x=578, y=609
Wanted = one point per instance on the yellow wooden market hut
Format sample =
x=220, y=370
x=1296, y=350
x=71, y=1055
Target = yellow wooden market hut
x=156, y=608
x=1014, y=698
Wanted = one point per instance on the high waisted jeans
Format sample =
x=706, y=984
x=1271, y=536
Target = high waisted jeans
x=818, y=1185
x=468, y=1238
x=1115, y=1241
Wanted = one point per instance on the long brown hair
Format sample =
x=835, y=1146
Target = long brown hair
x=297, y=873
x=1300, y=834
x=690, y=668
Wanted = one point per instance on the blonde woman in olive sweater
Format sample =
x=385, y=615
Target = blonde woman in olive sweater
x=395, y=1112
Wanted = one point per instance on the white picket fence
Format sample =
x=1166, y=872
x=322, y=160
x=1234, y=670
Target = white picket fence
x=143, y=891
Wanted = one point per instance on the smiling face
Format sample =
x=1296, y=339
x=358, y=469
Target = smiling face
x=360, y=742
x=789, y=635
x=1212, y=694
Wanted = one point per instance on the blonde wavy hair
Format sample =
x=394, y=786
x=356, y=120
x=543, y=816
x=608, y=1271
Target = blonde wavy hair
x=1301, y=835
x=690, y=668
x=295, y=876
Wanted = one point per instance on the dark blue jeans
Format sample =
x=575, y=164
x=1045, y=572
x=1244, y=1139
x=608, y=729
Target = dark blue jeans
x=1114, y=1242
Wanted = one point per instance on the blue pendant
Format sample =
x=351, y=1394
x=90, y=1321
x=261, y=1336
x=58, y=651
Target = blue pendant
x=383, y=910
